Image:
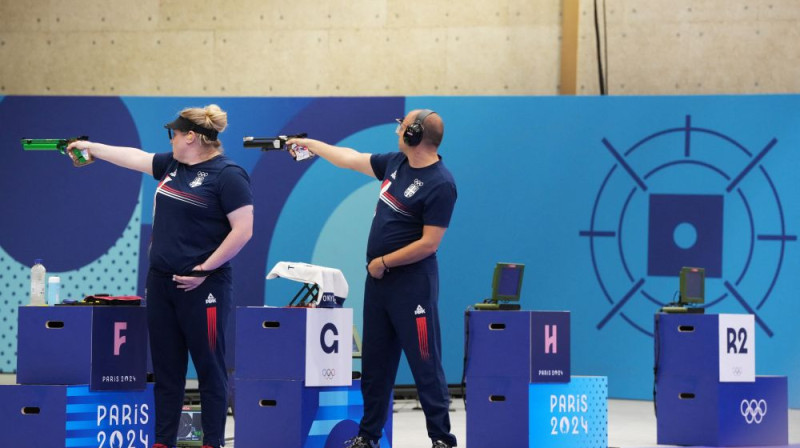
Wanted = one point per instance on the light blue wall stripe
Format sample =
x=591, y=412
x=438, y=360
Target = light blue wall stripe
x=337, y=398
x=83, y=424
x=76, y=443
x=321, y=427
x=76, y=408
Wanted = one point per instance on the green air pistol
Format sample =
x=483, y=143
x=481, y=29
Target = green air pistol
x=79, y=158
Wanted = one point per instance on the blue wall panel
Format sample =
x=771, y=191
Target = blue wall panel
x=601, y=198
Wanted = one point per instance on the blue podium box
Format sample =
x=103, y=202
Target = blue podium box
x=509, y=412
x=287, y=413
x=688, y=345
x=531, y=346
x=497, y=412
x=294, y=344
x=102, y=346
x=73, y=416
x=270, y=344
x=702, y=411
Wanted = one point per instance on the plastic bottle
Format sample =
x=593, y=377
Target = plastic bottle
x=37, y=282
x=53, y=290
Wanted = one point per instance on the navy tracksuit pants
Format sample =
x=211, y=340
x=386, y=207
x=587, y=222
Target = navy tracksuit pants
x=182, y=323
x=401, y=313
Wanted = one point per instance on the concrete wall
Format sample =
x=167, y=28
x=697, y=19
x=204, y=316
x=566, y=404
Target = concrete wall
x=391, y=47
x=695, y=47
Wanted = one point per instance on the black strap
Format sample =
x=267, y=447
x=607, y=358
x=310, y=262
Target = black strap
x=184, y=124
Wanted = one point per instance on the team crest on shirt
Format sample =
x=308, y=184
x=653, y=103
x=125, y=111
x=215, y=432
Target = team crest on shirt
x=413, y=188
x=198, y=180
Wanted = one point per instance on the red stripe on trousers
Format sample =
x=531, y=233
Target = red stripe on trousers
x=422, y=336
x=211, y=321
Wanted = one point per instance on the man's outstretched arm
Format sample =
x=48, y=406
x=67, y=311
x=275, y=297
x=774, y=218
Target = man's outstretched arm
x=339, y=156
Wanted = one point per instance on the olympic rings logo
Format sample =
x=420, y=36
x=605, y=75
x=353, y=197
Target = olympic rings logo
x=753, y=411
x=328, y=373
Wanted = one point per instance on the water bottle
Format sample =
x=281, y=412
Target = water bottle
x=37, y=282
x=54, y=290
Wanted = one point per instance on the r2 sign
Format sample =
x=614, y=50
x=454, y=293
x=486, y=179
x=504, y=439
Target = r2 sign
x=737, y=340
x=737, y=348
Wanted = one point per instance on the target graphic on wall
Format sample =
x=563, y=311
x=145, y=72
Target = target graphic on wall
x=686, y=196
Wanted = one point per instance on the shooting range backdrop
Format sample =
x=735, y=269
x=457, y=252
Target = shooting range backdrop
x=602, y=198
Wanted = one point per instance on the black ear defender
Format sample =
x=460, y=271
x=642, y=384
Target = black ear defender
x=413, y=133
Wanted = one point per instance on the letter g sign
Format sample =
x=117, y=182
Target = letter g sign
x=334, y=347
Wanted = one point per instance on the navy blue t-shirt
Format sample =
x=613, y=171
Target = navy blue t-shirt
x=410, y=198
x=190, y=210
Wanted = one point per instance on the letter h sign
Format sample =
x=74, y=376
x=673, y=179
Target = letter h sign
x=550, y=346
x=551, y=339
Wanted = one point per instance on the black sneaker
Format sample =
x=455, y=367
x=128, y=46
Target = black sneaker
x=440, y=444
x=361, y=442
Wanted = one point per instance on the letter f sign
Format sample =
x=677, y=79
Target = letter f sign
x=118, y=338
x=550, y=339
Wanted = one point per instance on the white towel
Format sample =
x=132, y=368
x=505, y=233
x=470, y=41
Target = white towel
x=332, y=285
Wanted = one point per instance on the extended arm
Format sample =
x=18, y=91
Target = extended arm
x=339, y=156
x=126, y=157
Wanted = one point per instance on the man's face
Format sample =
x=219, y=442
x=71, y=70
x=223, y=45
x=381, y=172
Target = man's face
x=401, y=128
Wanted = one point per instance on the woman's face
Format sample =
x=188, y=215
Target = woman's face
x=180, y=143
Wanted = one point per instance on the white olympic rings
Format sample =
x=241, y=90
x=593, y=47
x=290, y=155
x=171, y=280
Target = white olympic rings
x=753, y=411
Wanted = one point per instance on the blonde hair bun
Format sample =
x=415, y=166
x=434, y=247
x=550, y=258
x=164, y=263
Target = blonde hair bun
x=216, y=117
x=209, y=117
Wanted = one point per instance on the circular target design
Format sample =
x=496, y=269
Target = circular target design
x=686, y=196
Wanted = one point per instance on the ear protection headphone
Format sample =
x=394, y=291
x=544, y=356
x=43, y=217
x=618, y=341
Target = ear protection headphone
x=413, y=133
